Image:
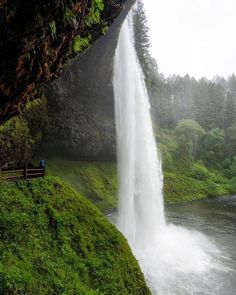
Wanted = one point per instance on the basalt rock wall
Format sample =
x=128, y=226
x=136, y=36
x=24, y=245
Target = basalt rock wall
x=81, y=121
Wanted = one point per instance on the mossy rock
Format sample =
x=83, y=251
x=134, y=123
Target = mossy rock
x=21, y=135
x=53, y=241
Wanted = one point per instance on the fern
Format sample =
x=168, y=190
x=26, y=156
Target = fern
x=69, y=16
x=94, y=16
x=53, y=29
x=79, y=44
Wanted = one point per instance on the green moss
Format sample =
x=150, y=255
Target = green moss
x=53, y=241
x=97, y=181
x=21, y=135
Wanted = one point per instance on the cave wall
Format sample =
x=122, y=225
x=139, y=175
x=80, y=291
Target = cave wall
x=81, y=122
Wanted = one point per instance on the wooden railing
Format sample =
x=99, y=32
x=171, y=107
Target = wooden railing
x=26, y=173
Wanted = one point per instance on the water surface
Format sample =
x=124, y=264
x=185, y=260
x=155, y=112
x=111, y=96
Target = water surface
x=216, y=219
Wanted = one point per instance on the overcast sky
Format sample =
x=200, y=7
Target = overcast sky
x=193, y=36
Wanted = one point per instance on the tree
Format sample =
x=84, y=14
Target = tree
x=141, y=37
x=230, y=110
x=231, y=141
x=231, y=84
x=212, y=148
x=155, y=83
x=209, y=103
x=188, y=133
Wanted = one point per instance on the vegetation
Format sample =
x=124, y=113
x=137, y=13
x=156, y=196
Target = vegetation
x=21, y=135
x=80, y=44
x=53, y=29
x=186, y=178
x=94, y=16
x=53, y=241
x=96, y=181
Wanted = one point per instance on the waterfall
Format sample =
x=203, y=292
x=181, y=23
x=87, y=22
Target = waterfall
x=141, y=203
x=174, y=260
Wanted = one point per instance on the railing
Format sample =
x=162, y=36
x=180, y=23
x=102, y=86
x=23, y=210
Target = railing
x=26, y=173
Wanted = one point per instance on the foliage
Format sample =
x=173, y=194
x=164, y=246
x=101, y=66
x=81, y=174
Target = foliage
x=189, y=129
x=69, y=16
x=232, y=185
x=79, y=44
x=188, y=132
x=142, y=39
x=199, y=171
x=232, y=168
x=53, y=28
x=212, y=148
x=230, y=110
x=21, y=135
x=94, y=13
x=97, y=181
x=187, y=179
x=53, y=241
x=230, y=141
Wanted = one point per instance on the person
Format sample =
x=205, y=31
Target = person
x=42, y=164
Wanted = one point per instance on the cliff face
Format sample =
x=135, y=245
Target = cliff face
x=81, y=105
x=37, y=39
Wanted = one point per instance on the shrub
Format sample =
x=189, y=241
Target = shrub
x=200, y=172
x=232, y=185
x=212, y=189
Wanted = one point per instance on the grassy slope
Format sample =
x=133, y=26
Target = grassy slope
x=97, y=181
x=53, y=241
x=183, y=187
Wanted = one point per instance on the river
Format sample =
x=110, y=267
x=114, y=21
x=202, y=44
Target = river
x=216, y=219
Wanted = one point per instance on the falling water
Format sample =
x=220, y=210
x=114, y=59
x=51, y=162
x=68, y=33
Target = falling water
x=139, y=165
x=174, y=260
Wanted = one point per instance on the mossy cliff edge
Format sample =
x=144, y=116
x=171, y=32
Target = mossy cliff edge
x=53, y=241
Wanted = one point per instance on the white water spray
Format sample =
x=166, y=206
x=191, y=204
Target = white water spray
x=173, y=259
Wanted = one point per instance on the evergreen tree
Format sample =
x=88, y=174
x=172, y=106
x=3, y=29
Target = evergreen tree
x=230, y=110
x=231, y=84
x=141, y=36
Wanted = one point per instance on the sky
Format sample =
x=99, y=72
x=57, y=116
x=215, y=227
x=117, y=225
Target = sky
x=197, y=37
